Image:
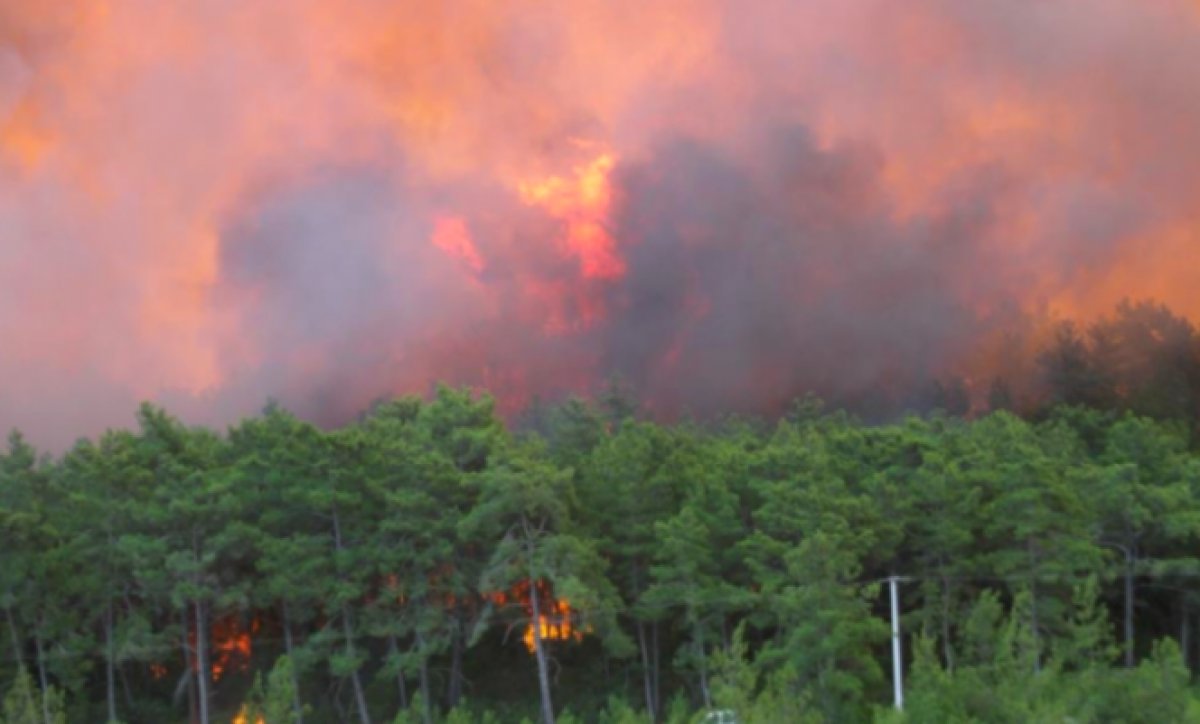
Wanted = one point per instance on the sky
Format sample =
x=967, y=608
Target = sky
x=209, y=203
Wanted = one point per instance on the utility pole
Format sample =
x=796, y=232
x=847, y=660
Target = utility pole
x=897, y=665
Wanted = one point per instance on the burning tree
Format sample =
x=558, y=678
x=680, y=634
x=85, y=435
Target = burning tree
x=524, y=506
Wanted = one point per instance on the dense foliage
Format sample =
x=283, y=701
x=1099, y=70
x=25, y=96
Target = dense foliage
x=389, y=569
x=428, y=563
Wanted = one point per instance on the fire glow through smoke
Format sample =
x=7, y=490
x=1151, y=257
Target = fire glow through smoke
x=209, y=203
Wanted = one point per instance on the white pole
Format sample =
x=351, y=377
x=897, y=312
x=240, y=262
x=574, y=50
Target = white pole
x=897, y=666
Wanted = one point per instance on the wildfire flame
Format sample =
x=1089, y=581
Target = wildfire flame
x=554, y=626
x=230, y=646
x=241, y=718
x=556, y=620
x=581, y=201
x=531, y=197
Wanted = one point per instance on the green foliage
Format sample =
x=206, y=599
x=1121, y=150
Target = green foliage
x=679, y=570
x=783, y=697
x=414, y=714
x=735, y=681
x=25, y=704
x=253, y=709
x=459, y=715
x=1156, y=691
x=618, y=711
x=1002, y=684
x=678, y=711
x=278, y=701
x=21, y=704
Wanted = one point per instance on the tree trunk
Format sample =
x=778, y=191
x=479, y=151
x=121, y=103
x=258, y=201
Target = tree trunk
x=187, y=664
x=703, y=666
x=337, y=702
x=401, y=687
x=644, y=649
x=426, y=704
x=647, y=677
x=360, y=698
x=290, y=646
x=18, y=654
x=126, y=691
x=654, y=655
x=1184, y=632
x=1033, y=607
x=947, y=649
x=539, y=648
x=110, y=678
x=202, y=665
x=42, y=678
x=1129, y=586
x=1192, y=654
x=1033, y=623
x=454, y=686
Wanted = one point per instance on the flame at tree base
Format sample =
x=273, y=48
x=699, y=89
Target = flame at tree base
x=556, y=621
x=554, y=626
x=242, y=718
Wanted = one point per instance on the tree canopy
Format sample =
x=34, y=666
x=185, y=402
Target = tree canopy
x=426, y=562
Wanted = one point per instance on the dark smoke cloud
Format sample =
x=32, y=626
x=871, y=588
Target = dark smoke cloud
x=751, y=278
x=783, y=271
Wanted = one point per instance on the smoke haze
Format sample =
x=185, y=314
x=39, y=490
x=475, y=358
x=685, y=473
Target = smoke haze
x=211, y=203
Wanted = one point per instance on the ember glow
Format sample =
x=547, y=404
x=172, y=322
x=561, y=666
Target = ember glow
x=211, y=203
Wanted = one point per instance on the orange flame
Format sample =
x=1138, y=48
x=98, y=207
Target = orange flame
x=231, y=645
x=241, y=718
x=556, y=621
x=553, y=626
x=581, y=201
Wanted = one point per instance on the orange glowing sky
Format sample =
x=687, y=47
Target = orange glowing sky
x=212, y=202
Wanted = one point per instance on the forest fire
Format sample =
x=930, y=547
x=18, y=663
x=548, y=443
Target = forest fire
x=242, y=718
x=701, y=317
x=716, y=206
x=230, y=645
x=578, y=204
x=556, y=620
x=582, y=203
x=553, y=626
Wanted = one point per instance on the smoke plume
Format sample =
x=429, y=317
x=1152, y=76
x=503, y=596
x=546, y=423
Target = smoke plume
x=212, y=203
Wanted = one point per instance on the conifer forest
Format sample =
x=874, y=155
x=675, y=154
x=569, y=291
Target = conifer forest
x=430, y=562
x=599, y=362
